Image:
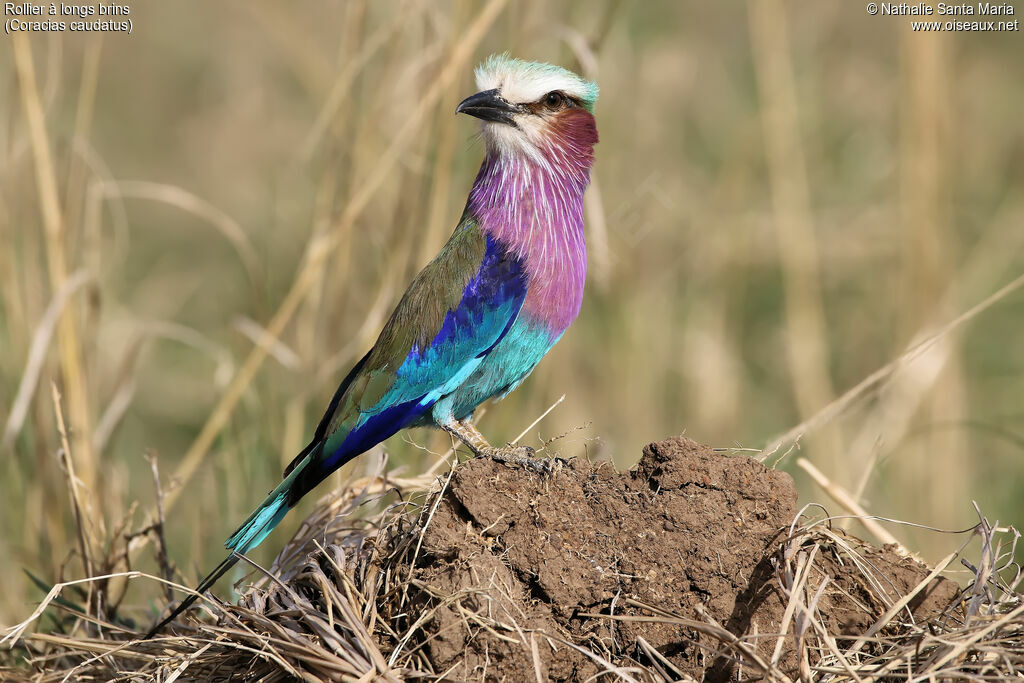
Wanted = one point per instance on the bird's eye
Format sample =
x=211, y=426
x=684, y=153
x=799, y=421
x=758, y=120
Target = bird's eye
x=554, y=99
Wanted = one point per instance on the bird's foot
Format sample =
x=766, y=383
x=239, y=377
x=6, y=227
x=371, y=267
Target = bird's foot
x=520, y=456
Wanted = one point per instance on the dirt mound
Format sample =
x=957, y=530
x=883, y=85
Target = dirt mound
x=692, y=564
x=588, y=555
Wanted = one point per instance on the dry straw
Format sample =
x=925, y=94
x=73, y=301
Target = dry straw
x=338, y=604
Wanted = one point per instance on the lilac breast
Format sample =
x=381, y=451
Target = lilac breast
x=536, y=210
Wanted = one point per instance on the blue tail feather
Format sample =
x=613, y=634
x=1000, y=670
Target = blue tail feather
x=307, y=470
x=260, y=524
x=270, y=512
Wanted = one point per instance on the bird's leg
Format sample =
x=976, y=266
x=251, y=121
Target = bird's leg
x=510, y=455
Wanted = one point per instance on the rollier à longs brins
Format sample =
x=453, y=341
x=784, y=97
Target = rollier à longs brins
x=480, y=316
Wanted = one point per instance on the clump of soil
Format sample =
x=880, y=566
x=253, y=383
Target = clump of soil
x=516, y=569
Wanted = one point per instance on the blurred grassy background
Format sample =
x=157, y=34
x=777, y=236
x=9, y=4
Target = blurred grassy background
x=786, y=197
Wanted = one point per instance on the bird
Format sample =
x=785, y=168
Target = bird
x=480, y=316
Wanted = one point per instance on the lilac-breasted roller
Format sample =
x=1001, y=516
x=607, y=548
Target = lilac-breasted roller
x=479, y=317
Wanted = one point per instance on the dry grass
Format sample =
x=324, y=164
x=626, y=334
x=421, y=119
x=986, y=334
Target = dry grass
x=342, y=601
x=200, y=236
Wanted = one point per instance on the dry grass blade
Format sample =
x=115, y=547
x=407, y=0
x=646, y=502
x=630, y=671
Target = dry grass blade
x=53, y=224
x=807, y=339
x=710, y=628
x=838, y=406
x=273, y=346
x=960, y=648
x=190, y=203
x=539, y=418
x=346, y=77
x=83, y=515
x=15, y=632
x=37, y=355
x=792, y=583
x=840, y=495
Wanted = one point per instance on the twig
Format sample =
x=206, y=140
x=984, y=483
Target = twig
x=537, y=421
x=158, y=528
x=67, y=463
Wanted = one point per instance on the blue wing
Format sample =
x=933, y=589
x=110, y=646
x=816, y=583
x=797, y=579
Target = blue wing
x=452, y=316
x=377, y=400
x=489, y=306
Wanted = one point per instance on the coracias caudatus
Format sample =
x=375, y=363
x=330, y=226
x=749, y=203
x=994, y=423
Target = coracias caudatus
x=480, y=316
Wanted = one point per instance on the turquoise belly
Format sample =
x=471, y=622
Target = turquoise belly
x=508, y=364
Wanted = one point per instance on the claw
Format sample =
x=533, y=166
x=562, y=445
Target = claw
x=521, y=456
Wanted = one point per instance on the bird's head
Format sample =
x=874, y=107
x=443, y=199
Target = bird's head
x=533, y=109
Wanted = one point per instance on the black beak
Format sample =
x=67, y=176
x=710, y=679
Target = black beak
x=488, y=106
